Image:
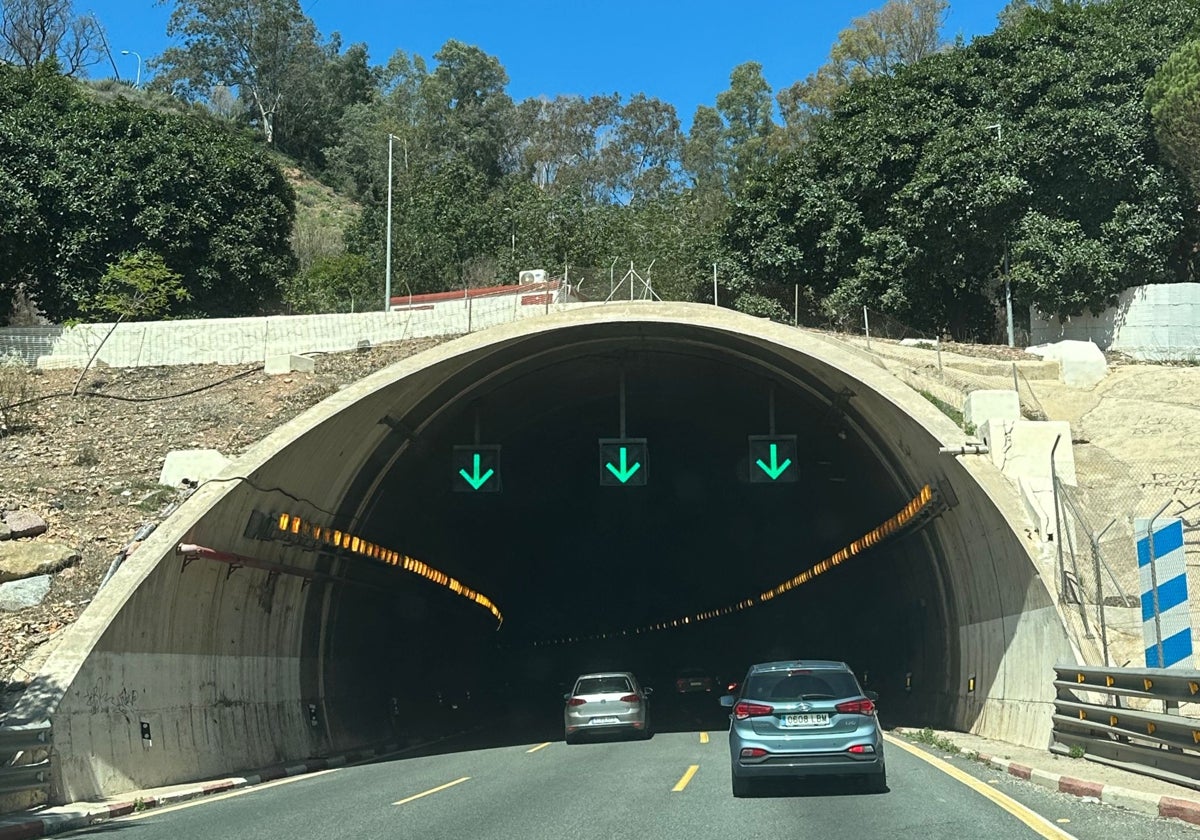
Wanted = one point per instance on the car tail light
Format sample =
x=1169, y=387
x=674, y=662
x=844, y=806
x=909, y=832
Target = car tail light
x=680, y=685
x=748, y=710
x=856, y=707
x=631, y=698
x=753, y=752
x=576, y=701
x=861, y=749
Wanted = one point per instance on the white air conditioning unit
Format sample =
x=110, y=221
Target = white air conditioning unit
x=535, y=275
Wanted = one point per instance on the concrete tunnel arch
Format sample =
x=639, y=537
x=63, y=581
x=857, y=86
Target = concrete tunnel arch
x=236, y=668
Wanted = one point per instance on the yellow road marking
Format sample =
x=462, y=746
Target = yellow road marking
x=538, y=747
x=432, y=790
x=703, y=737
x=1035, y=821
x=687, y=777
x=217, y=797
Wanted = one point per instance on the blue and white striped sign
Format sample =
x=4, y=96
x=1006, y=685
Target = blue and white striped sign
x=1173, y=629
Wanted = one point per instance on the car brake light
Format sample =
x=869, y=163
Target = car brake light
x=631, y=698
x=748, y=710
x=856, y=707
x=753, y=752
x=576, y=701
x=861, y=749
x=680, y=684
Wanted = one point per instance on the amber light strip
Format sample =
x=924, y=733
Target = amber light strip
x=893, y=525
x=291, y=525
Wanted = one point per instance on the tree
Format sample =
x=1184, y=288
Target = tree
x=33, y=31
x=1173, y=98
x=729, y=144
x=137, y=286
x=90, y=181
x=256, y=46
x=877, y=44
x=903, y=197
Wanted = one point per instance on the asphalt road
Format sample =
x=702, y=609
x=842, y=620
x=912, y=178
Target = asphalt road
x=674, y=786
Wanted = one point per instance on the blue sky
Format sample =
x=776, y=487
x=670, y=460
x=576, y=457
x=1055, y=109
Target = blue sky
x=679, y=52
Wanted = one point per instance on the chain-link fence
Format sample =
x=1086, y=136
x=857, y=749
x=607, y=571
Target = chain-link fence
x=1098, y=554
x=28, y=343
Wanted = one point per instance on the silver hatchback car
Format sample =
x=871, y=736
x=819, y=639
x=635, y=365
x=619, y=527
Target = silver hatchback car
x=611, y=701
x=802, y=719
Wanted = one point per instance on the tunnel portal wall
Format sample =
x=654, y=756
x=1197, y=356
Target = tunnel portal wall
x=226, y=666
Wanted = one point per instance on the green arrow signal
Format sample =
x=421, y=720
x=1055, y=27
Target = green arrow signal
x=625, y=473
x=776, y=469
x=476, y=481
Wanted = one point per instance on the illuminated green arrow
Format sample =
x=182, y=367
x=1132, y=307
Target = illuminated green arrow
x=625, y=473
x=776, y=469
x=476, y=481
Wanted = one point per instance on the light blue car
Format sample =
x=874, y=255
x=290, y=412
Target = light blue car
x=802, y=719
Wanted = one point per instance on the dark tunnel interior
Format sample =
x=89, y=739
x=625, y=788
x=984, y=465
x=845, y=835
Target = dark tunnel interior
x=579, y=568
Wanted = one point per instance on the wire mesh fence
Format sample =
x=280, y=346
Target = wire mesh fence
x=28, y=343
x=1098, y=553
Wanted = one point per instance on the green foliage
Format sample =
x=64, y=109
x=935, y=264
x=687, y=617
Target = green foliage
x=336, y=283
x=931, y=738
x=139, y=286
x=907, y=193
x=1173, y=97
x=84, y=181
x=760, y=306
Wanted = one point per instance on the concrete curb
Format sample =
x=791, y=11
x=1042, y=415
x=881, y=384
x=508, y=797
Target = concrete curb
x=1153, y=805
x=84, y=814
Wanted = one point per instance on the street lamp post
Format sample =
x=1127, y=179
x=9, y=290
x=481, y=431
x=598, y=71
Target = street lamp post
x=999, y=129
x=387, y=260
x=137, y=84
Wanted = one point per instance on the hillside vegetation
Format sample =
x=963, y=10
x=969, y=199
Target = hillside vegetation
x=1055, y=157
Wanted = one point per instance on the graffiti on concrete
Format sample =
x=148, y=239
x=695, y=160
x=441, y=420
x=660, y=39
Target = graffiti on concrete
x=100, y=698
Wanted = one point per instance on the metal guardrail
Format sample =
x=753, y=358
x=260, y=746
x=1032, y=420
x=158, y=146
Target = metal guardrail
x=1164, y=744
x=24, y=757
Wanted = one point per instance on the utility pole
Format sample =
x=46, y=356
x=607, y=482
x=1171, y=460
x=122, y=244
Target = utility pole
x=387, y=259
x=999, y=129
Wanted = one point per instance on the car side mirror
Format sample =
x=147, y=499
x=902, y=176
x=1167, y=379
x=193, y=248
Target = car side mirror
x=647, y=691
x=727, y=701
x=567, y=696
x=873, y=696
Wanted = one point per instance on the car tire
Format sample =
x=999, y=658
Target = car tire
x=571, y=738
x=877, y=782
x=741, y=787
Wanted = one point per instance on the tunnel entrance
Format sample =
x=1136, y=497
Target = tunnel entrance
x=272, y=647
x=585, y=572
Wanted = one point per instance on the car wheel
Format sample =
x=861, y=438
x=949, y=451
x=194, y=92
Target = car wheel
x=571, y=738
x=877, y=782
x=741, y=787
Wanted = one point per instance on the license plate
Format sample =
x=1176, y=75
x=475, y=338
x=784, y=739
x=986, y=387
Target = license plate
x=602, y=721
x=800, y=721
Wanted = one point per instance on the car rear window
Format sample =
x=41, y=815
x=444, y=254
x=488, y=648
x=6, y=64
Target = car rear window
x=788, y=686
x=603, y=685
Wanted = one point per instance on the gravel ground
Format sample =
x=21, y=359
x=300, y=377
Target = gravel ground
x=89, y=464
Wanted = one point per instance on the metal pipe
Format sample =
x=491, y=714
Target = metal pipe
x=1062, y=571
x=1095, y=540
x=1158, y=639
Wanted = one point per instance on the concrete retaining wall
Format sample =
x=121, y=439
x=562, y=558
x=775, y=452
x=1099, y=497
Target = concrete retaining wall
x=1158, y=322
x=236, y=341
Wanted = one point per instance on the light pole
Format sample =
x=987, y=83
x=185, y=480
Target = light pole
x=387, y=260
x=137, y=84
x=999, y=129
